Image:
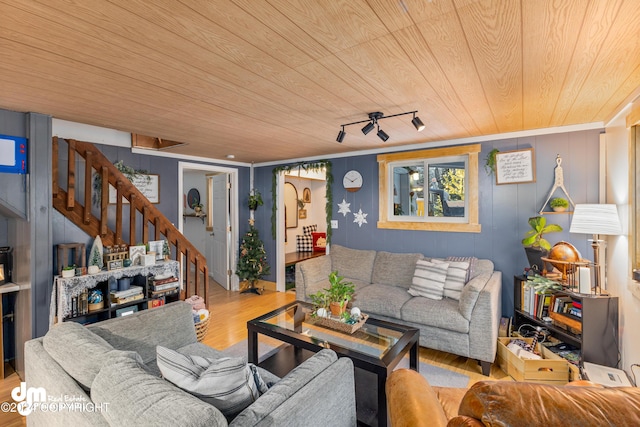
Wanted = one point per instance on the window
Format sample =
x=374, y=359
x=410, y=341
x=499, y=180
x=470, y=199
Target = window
x=430, y=189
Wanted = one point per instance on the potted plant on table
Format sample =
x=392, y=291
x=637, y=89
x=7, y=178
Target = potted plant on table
x=340, y=293
x=535, y=245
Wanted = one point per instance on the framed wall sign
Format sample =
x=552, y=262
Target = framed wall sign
x=13, y=154
x=515, y=167
x=149, y=186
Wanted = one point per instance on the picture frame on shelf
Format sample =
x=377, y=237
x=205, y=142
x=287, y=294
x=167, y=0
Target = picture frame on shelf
x=157, y=246
x=136, y=252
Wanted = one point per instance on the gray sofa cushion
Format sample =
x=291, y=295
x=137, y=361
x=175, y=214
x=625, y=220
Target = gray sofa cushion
x=353, y=263
x=441, y=314
x=131, y=396
x=82, y=360
x=394, y=269
x=382, y=300
x=170, y=326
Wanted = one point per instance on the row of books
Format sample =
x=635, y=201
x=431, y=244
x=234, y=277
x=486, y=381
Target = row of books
x=536, y=305
x=567, y=305
x=80, y=304
x=166, y=286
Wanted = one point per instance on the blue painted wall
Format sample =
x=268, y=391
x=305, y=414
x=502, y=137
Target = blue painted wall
x=503, y=209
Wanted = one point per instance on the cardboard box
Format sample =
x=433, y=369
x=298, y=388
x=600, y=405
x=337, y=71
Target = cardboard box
x=554, y=371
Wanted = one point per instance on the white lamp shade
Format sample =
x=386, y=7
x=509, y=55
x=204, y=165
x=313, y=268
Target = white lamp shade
x=596, y=219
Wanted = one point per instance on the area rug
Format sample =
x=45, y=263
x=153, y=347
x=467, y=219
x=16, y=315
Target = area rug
x=437, y=377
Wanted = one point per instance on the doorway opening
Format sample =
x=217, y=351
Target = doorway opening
x=301, y=211
x=214, y=229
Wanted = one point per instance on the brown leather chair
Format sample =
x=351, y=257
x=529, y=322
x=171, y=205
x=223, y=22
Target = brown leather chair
x=412, y=402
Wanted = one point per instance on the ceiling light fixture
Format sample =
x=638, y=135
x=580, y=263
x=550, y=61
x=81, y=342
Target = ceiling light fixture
x=382, y=135
x=417, y=123
x=372, y=122
x=367, y=128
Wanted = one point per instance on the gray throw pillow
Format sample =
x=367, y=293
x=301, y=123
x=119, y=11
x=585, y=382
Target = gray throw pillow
x=77, y=350
x=229, y=383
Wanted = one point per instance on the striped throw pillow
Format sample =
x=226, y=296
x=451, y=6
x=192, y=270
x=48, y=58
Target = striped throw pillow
x=456, y=278
x=228, y=383
x=428, y=279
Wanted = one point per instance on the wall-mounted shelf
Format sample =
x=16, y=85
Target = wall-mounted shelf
x=193, y=215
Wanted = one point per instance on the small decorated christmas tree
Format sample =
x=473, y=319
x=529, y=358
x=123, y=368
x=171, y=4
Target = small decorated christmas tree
x=252, y=263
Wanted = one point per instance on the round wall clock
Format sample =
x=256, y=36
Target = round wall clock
x=193, y=198
x=352, y=180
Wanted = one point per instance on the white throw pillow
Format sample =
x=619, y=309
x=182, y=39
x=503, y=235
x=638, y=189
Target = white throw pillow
x=229, y=383
x=428, y=279
x=457, y=275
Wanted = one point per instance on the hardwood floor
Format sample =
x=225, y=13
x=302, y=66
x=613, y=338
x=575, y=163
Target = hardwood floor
x=230, y=312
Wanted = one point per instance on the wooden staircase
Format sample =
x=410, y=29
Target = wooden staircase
x=74, y=202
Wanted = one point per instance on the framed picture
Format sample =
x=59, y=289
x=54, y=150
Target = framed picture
x=157, y=246
x=126, y=311
x=515, y=167
x=114, y=265
x=135, y=252
x=149, y=186
x=302, y=214
x=306, y=195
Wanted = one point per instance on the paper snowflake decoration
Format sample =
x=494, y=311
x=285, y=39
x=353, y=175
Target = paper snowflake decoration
x=360, y=217
x=344, y=207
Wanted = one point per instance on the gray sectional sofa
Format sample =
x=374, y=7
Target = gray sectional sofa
x=467, y=327
x=109, y=370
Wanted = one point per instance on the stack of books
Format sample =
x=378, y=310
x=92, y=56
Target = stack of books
x=134, y=293
x=163, y=287
x=79, y=304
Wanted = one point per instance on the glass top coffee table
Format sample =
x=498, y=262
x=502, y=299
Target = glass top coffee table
x=375, y=349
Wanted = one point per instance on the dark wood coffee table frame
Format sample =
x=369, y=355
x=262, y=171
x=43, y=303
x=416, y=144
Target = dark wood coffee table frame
x=284, y=360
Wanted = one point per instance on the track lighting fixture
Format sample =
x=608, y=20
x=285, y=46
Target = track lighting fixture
x=368, y=128
x=372, y=122
x=382, y=135
x=417, y=123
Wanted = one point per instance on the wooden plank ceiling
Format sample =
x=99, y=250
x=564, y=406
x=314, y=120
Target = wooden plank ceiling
x=269, y=80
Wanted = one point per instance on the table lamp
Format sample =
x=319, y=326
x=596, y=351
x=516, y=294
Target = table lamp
x=596, y=219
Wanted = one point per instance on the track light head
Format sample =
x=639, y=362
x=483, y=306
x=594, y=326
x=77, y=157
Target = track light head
x=382, y=135
x=368, y=128
x=417, y=123
x=341, y=135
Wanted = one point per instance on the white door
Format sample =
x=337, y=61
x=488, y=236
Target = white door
x=218, y=241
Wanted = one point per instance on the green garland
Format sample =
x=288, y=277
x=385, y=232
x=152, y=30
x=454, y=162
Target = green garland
x=306, y=166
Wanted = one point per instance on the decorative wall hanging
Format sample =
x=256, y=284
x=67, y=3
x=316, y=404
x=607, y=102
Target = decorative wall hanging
x=306, y=195
x=558, y=182
x=360, y=218
x=343, y=207
x=515, y=167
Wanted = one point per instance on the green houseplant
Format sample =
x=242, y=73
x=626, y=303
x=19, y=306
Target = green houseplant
x=255, y=199
x=535, y=245
x=559, y=204
x=333, y=298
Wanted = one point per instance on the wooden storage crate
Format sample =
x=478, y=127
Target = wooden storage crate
x=546, y=371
